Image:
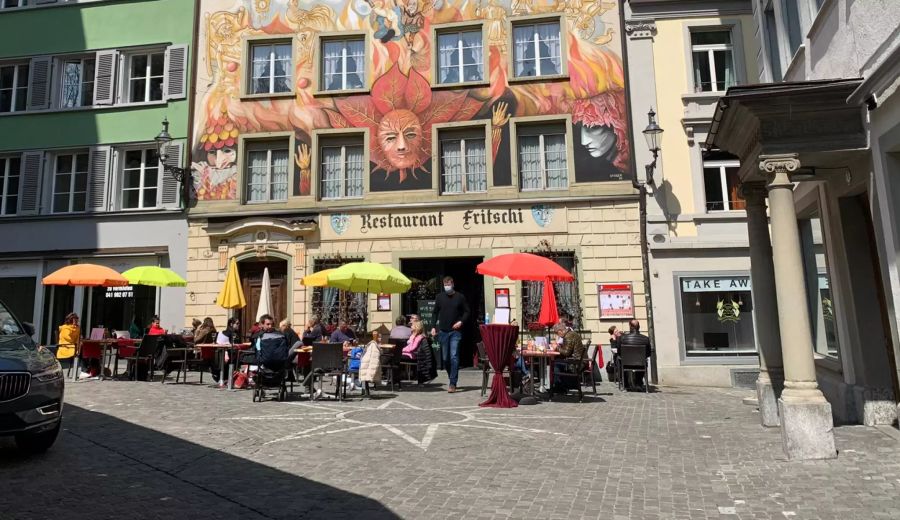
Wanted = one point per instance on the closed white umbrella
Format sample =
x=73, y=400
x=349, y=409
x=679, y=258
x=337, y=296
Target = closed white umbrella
x=265, y=296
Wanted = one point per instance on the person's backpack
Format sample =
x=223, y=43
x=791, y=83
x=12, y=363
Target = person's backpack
x=273, y=351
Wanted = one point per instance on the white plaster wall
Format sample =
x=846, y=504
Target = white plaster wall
x=847, y=34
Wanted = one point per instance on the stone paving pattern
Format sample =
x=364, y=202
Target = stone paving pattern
x=146, y=450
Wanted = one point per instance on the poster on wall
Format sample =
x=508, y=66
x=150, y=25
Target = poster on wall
x=501, y=298
x=384, y=302
x=616, y=301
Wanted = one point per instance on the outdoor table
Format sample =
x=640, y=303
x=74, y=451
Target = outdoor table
x=544, y=357
x=104, y=345
x=499, y=344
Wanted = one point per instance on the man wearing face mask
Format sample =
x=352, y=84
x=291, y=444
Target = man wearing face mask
x=451, y=311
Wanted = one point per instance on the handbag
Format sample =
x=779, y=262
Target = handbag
x=239, y=380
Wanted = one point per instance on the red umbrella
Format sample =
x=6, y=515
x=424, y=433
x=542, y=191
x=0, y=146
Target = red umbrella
x=524, y=266
x=549, y=315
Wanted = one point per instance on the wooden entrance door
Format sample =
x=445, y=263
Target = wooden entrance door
x=251, y=273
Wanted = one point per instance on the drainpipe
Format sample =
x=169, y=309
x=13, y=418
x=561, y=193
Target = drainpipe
x=642, y=191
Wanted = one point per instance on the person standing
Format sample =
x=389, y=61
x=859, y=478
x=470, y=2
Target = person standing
x=451, y=311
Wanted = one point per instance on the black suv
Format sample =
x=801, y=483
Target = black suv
x=31, y=386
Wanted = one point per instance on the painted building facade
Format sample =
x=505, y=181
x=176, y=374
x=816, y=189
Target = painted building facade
x=424, y=135
x=696, y=223
x=80, y=177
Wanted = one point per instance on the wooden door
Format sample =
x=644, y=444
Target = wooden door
x=251, y=281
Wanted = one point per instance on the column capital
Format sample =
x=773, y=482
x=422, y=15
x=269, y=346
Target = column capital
x=754, y=193
x=778, y=167
x=640, y=29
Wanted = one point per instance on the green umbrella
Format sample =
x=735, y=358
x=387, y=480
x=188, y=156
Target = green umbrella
x=155, y=276
x=368, y=277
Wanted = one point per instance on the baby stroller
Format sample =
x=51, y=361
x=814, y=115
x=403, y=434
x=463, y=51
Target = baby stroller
x=273, y=366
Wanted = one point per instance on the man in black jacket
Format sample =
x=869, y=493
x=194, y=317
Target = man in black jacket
x=635, y=338
x=451, y=311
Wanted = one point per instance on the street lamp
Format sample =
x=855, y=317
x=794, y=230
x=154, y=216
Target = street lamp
x=653, y=134
x=181, y=175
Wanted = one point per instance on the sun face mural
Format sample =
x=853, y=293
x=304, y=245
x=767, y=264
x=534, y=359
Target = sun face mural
x=395, y=96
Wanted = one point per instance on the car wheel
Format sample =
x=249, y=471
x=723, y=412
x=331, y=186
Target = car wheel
x=38, y=442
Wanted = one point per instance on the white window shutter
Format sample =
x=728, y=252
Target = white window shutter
x=171, y=188
x=98, y=179
x=105, y=77
x=39, y=83
x=30, y=183
x=176, y=72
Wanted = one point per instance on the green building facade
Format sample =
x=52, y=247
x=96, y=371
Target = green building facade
x=84, y=87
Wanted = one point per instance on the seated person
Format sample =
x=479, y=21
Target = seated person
x=205, y=332
x=293, y=340
x=155, y=329
x=635, y=338
x=400, y=330
x=354, y=360
x=314, y=331
x=415, y=340
x=570, y=347
x=343, y=334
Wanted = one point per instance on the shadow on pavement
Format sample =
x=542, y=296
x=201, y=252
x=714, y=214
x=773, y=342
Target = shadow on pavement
x=103, y=467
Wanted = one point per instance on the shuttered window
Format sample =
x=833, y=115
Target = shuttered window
x=76, y=87
x=13, y=87
x=140, y=178
x=145, y=74
x=70, y=172
x=10, y=171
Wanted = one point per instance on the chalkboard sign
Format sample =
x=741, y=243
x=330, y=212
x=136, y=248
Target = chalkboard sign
x=426, y=312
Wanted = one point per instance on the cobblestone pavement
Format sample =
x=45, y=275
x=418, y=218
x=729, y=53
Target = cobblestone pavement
x=146, y=450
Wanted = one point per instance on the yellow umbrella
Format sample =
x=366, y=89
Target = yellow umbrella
x=319, y=279
x=232, y=296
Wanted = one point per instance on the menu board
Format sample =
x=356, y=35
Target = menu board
x=426, y=312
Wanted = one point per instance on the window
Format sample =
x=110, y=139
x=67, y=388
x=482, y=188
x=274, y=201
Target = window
x=774, y=57
x=13, y=87
x=343, y=64
x=272, y=68
x=145, y=77
x=717, y=316
x=568, y=299
x=543, y=157
x=9, y=184
x=463, y=162
x=140, y=178
x=792, y=24
x=713, y=60
x=460, y=57
x=817, y=274
x=268, y=167
x=536, y=49
x=77, y=76
x=9, y=4
x=342, y=166
x=70, y=182
x=721, y=182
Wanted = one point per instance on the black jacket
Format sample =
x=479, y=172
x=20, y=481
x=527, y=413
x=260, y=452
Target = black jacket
x=448, y=309
x=636, y=339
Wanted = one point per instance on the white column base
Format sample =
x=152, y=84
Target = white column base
x=767, y=401
x=807, y=430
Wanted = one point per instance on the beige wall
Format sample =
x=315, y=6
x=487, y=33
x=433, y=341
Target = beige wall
x=604, y=236
x=680, y=160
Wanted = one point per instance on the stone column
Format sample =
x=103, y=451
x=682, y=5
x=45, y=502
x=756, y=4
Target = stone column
x=765, y=307
x=807, y=425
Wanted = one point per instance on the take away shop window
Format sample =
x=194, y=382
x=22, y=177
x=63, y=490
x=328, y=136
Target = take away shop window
x=717, y=316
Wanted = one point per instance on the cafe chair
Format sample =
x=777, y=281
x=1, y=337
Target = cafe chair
x=327, y=361
x=91, y=350
x=591, y=368
x=201, y=363
x=390, y=363
x=633, y=358
x=485, y=366
x=144, y=354
x=568, y=374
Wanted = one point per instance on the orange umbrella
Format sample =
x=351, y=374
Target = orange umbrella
x=85, y=275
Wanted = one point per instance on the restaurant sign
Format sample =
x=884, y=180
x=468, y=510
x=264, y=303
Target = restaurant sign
x=537, y=218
